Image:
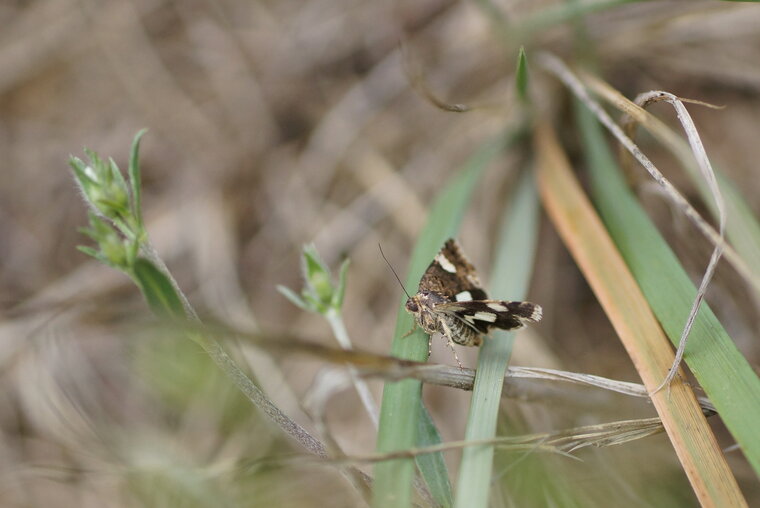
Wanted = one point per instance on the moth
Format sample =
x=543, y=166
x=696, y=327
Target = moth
x=451, y=301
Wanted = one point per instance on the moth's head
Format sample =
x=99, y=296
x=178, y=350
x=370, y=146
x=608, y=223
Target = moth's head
x=413, y=305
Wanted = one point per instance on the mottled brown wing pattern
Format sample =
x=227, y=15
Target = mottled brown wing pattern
x=484, y=314
x=451, y=274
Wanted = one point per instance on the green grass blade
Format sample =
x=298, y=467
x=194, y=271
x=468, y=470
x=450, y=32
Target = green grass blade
x=521, y=76
x=157, y=289
x=720, y=368
x=513, y=263
x=742, y=228
x=401, y=400
x=135, y=178
x=431, y=465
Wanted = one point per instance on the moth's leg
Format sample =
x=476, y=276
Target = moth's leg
x=447, y=334
x=430, y=338
x=451, y=345
x=407, y=334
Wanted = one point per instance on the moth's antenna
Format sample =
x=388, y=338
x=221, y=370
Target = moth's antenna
x=394, y=271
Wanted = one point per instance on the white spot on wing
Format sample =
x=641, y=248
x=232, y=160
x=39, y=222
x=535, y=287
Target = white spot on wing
x=445, y=263
x=470, y=319
x=464, y=296
x=497, y=307
x=537, y=313
x=485, y=316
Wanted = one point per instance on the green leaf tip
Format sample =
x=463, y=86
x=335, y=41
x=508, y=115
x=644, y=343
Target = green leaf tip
x=316, y=275
x=319, y=294
x=521, y=76
x=102, y=185
x=112, y=247
x=340, y=292
x=293, y=297
x=135, y=178
x=116, y=217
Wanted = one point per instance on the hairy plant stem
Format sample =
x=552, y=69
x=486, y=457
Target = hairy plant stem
x=256, y=396
x=252, y=392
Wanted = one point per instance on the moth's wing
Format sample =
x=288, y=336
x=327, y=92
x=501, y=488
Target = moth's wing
x=483, y=314
x=452, y=275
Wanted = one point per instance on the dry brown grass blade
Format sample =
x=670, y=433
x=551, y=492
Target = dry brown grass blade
x=603, y=267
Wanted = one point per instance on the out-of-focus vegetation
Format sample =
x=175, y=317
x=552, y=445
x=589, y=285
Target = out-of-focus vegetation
x=278, y=124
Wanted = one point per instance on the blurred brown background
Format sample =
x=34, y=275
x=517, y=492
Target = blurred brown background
x=271, y=125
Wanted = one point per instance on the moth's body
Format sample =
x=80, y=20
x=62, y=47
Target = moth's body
x=436, y=322
x=451, y=301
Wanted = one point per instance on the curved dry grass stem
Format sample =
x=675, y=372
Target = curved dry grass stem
x=742, y=251
x=420, y=84
x=558, y=68
x=705, y=168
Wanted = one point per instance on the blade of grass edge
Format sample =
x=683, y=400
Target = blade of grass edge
x=720, y=368
x=401, y=400
x=513, y=265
